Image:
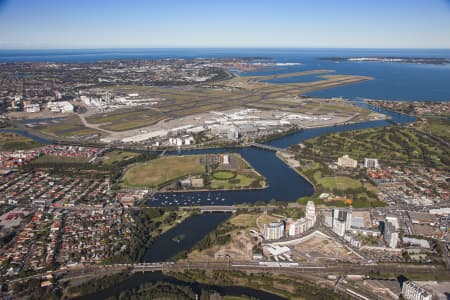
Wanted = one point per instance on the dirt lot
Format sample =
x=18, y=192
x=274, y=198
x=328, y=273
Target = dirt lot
x=319, y=247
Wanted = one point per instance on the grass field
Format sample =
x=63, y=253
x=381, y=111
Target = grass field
x=240, y=181
x=117, y=156
x=162, y=170
x=363, y=194
x=242, y=176
x=70, y=126
x=244, y=220
x=224, y=174
x=12, y=142
x=336, y=182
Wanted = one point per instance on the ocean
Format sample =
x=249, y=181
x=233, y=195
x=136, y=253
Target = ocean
x=392, y=81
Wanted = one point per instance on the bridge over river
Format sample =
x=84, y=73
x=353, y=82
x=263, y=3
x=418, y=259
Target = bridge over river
x=265, y=147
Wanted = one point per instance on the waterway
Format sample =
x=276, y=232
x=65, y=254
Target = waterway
x=392, y=81
x=183, y=236
x=397, y=81
x=284, y=183
x=28, y=135
x=140, y=278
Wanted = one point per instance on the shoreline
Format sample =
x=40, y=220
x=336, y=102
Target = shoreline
x=298, y=172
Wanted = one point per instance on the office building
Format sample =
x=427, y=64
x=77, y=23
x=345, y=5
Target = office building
x=390, y=232
x=60, y=107
x=274, y=230
x=297, y=227
x=341, y=220
x=347, y=162
x=371, y=163
x=411, y=291
x=310, y=212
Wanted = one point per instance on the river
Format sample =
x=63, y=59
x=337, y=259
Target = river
x=183, y=236
x=140, y=278
x=284, y=183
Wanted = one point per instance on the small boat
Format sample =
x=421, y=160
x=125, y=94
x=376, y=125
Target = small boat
x=179, y=238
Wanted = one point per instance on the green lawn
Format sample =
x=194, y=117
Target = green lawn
x=243, y=177
x=240, y=181
x=336, y=182
x=68, y=127
x=223, y=174
x=162, y=170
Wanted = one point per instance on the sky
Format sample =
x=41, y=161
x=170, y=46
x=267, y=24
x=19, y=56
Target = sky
x=43, y=24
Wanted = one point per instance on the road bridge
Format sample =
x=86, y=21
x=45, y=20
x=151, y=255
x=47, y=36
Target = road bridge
x=211, y=208
x=163, y=153
x=265, y=147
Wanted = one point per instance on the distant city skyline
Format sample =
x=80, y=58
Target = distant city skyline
x=53, y=24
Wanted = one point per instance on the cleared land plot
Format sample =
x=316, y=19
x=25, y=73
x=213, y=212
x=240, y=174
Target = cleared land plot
x=244, y=220
x=265, y=219
x=240, y=245
x=162, y=170
x=13, y=142
x=319, y=247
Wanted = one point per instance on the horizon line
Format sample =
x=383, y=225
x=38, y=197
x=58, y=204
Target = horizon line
x=216, y=47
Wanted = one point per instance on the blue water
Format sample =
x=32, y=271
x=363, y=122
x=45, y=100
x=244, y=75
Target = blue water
x=28, y=135
x=138, y=279
x=296, y=79
x=395, y=81
x=284, y=183
x=183, y=236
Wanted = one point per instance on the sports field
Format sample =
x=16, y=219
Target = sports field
x=162, y=170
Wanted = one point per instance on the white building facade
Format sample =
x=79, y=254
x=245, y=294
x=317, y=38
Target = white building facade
x=341, y=220
x=371, y=163
x=347, y=162
x=411, y=291
x=274, y=230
